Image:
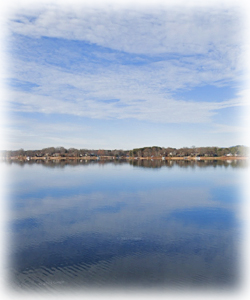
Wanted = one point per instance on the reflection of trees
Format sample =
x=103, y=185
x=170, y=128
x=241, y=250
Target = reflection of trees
x=63, y=163
x=145, y=163
x=189, y=163
x=223, y=163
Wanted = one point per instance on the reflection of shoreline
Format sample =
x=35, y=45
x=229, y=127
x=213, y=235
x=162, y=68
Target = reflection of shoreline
x=141, y=163
x=112, y=158
x=194, y=158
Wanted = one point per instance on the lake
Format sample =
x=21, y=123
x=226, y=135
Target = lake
x=142, y=224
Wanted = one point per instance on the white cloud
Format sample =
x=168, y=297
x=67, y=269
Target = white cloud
x=180, y=49
x=214, y=34
x=144, y=93
x=155, y=109
x=157, y=30
x=221, y=128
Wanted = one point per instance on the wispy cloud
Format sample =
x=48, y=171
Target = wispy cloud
x=113, y=63
x=141, y=30
x=144, y=93
x=221, y=128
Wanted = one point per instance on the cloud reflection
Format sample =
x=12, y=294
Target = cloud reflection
x=152, y=231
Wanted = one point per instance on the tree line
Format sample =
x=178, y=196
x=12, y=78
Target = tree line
x=154, y=151
x=63, y=152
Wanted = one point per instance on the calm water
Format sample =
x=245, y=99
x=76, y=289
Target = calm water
x=148, y=224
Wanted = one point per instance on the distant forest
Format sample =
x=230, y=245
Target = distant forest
x=154, y=151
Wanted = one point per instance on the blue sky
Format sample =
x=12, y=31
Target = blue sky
x=109, y=76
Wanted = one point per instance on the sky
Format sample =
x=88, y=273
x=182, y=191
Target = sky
x=123, y=76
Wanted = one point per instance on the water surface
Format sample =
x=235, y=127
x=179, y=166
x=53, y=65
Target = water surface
x=146, y=224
